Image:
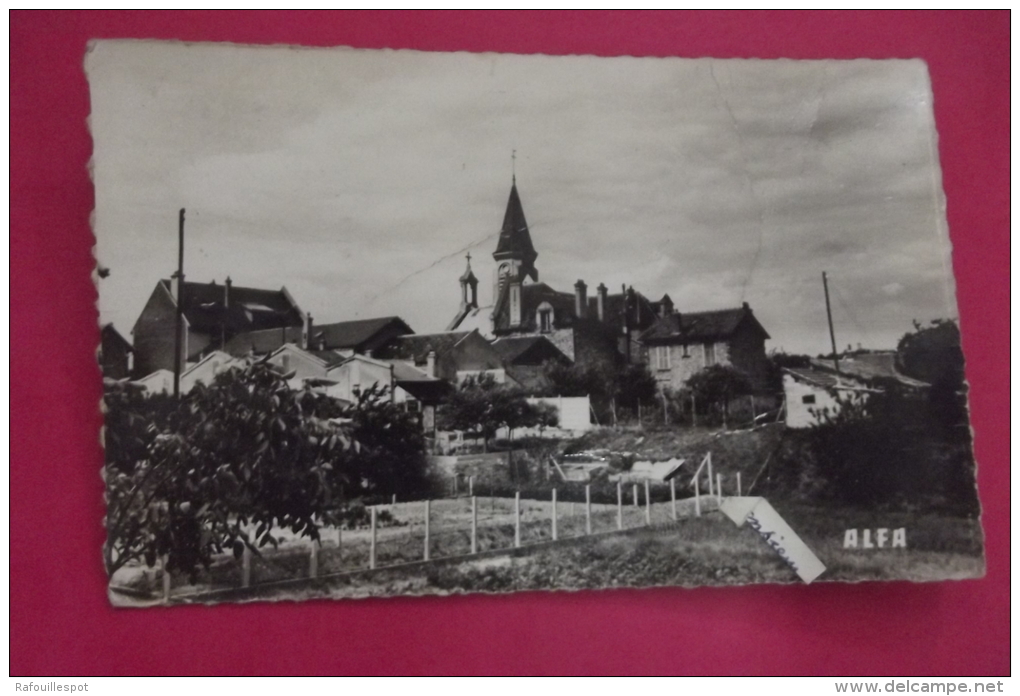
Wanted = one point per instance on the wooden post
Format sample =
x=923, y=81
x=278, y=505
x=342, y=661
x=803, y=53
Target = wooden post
x=313, y=560
x=371, y=545
x=394, y=499
x=517, y=519
x=427, y=511
x=672, y=496
x=637, y=501
x=648, y=504
x=739, y=492
x=246, y=567
x=587, y=509
x=339, y=543
x=619, y=505
x=711, y=480
x=694, y=412
x=471, y=486
x=697, y=498
x=555, y=531
x=166, y=579
x=718, y=486
x=474, y=525
x=754, y=415
x=455, y=491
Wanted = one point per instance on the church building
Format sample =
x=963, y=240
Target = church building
x=585, y=328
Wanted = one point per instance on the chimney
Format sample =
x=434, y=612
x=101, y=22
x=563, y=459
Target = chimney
x=580, y=299
x=665, y=306
x=226, y=293
x=306, y=333
x=602, y=292
x=430, y=364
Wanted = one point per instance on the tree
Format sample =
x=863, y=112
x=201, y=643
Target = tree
x=485, y=406
x=608, y=384
x=933, y=354
x=717, y=385
x=222, y=467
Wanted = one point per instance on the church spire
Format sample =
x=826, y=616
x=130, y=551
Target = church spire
x=514, y=244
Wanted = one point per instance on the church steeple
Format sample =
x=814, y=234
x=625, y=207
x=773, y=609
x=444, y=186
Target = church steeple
x=515, y=255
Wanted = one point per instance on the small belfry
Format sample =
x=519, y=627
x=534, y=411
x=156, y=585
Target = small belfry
x=468, y=287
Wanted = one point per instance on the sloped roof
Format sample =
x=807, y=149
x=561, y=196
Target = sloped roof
x=702, y=326
x=211, y=307
x=871, y=367
x=360, y=335
x=263, y=341
x=514, y=237
x=827, y=380
x=109, y=332
x=416, y=347
x=532, y=296
x=527, y=349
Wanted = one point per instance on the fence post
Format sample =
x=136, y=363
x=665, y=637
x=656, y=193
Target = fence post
x=555, y=531
x=313, y=560
x=517, y=519
x=648, y=504
x=246, y=567
x=637, y=502
x=619, y=505
x=739, y=492
x=166, y=579
x=672, y=495
x=754, y=415
x=371, y=545
x=587, y=508
x=471, y=486
x=427, y=511
x=474, y=525
x=339, y=544
x=394, y=499
x=710, y=477
x=718, y=487
x=697, y=498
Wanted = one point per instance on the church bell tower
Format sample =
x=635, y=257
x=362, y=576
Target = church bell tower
x=515, y=255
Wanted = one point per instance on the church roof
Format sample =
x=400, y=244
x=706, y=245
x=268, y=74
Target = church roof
x=359, y=335
x=514, y=237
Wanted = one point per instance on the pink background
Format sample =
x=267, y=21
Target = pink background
x=60, y=621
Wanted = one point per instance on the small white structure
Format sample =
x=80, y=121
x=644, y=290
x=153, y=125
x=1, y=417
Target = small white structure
x=158, y=382
x=206, y=369
x=810, y=393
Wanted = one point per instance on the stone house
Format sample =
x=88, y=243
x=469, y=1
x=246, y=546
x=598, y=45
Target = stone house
x=682, y=344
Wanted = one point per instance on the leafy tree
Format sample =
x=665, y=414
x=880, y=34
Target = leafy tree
x=609, y=385
x=485, y=406
x=717, y=385
x=222, y=467
x=933, y=354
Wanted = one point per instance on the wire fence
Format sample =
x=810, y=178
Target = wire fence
x=461, y=527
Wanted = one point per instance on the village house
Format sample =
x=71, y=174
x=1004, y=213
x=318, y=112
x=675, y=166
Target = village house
x=213, y=314
x=681, y=344
x=822, y=388
x=360, y=336
x=115, y=353
x=525, y=359
x=452, y=356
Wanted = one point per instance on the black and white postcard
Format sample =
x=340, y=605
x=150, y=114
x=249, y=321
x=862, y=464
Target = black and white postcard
x=384, y=323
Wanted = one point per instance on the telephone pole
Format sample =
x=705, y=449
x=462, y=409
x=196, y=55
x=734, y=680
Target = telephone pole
x=828, y=312
x=179, y=325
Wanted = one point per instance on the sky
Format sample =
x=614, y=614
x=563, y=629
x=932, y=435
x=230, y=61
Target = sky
x=359, y=179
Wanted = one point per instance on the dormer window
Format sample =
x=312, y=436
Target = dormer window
x=545, y=317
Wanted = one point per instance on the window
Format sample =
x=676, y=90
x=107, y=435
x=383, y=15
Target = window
x=545, y=321
x=808, y=399
x=661, y=357
x=709, y=354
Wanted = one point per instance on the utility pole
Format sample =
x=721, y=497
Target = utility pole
x=179, y=325
x=828, y=312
